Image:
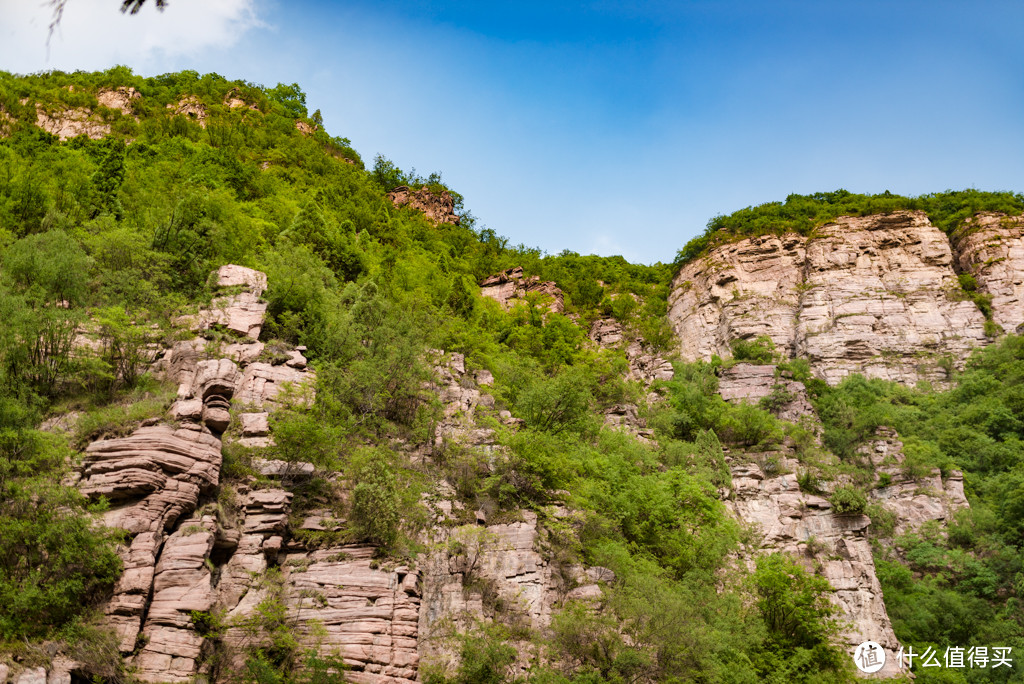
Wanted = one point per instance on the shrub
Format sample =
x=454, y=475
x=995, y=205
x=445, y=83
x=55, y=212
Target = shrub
x=374, y=515
x=794, y=604
x=55, y=562
x=847, y=501
x=760, y=350
x=883, y=520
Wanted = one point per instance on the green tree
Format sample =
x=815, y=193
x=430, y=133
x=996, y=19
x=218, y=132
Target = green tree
x=793, y=603
x=374, y=513
x=55, y=561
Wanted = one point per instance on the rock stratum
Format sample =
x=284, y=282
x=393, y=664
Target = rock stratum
x=877, y=295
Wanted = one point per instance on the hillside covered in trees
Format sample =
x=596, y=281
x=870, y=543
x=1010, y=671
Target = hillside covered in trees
x=121, y=197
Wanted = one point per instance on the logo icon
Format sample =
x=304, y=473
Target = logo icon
x=869, y=657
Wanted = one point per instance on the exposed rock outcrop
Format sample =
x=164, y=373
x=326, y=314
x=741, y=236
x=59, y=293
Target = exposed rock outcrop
x=878, y=301
x=991, y=248
x=369, y=615
x=461, y=396
x=644, y=365
x=751, y=383
x=913, y=500
x=121, y=99
x=438, y=207
x=191, y=108
x=512, y=284
x=242, y=312
x=804, y=526
x=156, y=477
x=71, y=123
x=182, y=583
x=875, y=295
x=742, y=290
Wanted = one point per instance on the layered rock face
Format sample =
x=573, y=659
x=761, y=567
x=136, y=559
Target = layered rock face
x=644, y=365
x=512, y=284
x=876, y=295
x=70, y=123
x=743, y=290
x=752, y=383
x=765, y=492
x=991, y=248
x=157, y=477
x=878, y=301
x=914, y=500
x=439, y=208
x=804, y=525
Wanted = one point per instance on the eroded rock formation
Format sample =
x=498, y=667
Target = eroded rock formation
x=438, y=207
x=876, y=295
x=752, y=383
x=804, y=526
x=121, y=99
x=914, y=500
x=157, y=478
x=644, y=365
x=512, y=284
x=991, y=248
x=766, y=493
x=191, y=108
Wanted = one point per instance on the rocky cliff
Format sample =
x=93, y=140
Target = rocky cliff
x=197, y=546
x=766, y=494
x=877, y=295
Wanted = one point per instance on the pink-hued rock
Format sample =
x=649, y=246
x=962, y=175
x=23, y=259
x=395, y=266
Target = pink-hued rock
x=991, y=248
x=370, y=616
x=790, y=520
x=71, y=123
x=255, y=424
x=241, y=313
x=512, y=284
x=742, y=290
x=244, y=352
x=878, y=301
x=182, y=584
x=262, y=383
x=750, y=383
x=875, y=295
x=439, y=208
x=192, y=109
x=119, y=98
x=644, y=365
x=33, y=675
x=147, y=459
x=461, y=399
x=231, y=275
x=265, y=516
x=914, y=501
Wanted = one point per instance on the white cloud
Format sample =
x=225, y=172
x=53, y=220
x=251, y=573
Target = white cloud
x=94, y=34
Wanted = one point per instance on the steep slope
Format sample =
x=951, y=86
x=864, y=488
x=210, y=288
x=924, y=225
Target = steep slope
x=876, y=295
x=267, y=416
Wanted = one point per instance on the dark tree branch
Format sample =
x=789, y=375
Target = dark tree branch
x=129, y=6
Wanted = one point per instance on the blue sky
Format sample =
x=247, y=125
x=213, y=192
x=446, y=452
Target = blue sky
x=606, y=127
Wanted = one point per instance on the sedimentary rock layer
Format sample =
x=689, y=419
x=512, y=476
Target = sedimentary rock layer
x=876, y=295
x=991, y=248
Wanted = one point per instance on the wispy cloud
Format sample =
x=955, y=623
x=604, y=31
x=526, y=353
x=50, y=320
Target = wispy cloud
x=94, y=34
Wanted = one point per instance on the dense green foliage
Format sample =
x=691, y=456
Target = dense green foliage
x=803, y=213
x=112, y=240
x=961, y=588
